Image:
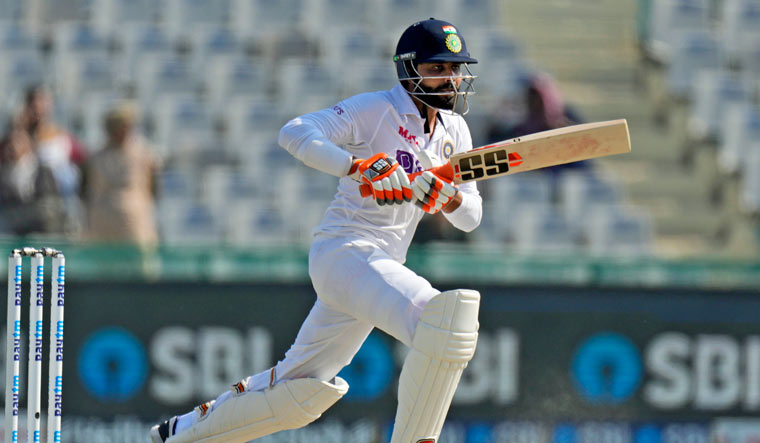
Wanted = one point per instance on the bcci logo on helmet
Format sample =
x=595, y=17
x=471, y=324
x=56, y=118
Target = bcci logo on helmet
x=453, y=43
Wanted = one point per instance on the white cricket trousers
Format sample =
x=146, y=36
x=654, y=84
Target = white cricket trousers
x=358, y=287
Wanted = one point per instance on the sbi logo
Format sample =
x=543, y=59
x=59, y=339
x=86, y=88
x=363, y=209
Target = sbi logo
x=113, y=365
x=607, y=368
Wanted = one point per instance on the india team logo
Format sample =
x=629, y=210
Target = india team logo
x=448, y=149
x=453, y=43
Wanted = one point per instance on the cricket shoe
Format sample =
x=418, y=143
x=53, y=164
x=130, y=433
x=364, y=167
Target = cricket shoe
x=160, y=433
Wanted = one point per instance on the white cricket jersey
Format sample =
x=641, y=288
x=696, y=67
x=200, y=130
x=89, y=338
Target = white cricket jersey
x=383, y=121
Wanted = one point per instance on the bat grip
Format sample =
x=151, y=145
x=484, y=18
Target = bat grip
x=446, y=172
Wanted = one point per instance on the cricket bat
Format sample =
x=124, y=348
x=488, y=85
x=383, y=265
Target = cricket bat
x=534, y=151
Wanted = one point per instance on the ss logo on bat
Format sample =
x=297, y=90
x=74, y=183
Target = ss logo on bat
x=489, y=164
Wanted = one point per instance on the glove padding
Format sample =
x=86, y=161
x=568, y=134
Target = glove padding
x=431, y=192
x=389, y=183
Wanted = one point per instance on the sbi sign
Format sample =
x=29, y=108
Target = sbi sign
x=673, y=370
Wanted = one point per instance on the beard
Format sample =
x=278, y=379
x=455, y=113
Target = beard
x=446, y=102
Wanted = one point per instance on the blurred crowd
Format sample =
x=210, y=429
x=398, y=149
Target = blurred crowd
x=50, y=184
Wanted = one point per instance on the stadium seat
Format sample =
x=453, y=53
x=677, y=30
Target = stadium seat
x=619, y=232
x=692, y=51
x=81, y=75
x=17, y=37
x=182, y=17
x=237, y=79
x=318, y=15
x=304, y=86
x=161, y=77
x=741, y=124
x=113, y=14
x=740, y=25
x=18, y=71
x=354, y=44
x=139, y=42
x=253, y=18
x=13, y=10
x=749, y=188
x=256, y=222
x=469, y=15
x=224, y=186
x=77, y=38
x=367, y=76
x=177, y=185
x=248, y=120
x=543, y=231
x=714, y=90
x=213, y=44
x=671, y=17
x=188, y=223
x=183, y=127
x=579, y=193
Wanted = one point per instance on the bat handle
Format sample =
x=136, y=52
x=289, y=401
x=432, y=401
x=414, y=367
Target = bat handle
x=445, y=172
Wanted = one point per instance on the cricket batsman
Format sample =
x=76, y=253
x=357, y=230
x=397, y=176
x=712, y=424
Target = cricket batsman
x=356, y=262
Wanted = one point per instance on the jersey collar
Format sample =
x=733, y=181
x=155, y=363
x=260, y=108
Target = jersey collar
x=403, y=101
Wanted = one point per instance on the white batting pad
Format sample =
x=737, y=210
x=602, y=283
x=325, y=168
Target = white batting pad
x=242, y=417
x=443, y=344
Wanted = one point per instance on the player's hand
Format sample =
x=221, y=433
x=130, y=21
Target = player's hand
x=432, y=192
x=388, y=182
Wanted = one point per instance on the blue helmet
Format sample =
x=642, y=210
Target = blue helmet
x=431, y=41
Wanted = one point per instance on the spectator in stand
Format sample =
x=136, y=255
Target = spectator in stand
x=29, y=198
x=120, y=184
x=545, y=109
x=56, y=148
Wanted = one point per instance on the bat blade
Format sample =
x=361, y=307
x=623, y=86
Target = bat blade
x=542, y=150
x=535, y=151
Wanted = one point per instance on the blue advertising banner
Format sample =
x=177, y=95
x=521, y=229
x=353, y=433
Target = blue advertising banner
x=556, y=363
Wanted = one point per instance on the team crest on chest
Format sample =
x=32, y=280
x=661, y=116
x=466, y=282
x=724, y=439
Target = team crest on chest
x=448, y=149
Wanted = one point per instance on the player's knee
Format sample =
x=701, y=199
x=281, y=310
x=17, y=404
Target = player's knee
x=448, y=326
x=298, y=402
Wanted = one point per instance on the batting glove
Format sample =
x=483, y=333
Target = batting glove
x=432, y=192
x=389, y=183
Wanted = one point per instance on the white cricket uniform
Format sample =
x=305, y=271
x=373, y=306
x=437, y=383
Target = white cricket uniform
x=356, y=260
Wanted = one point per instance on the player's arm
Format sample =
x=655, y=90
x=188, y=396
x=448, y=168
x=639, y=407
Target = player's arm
x=313, y=139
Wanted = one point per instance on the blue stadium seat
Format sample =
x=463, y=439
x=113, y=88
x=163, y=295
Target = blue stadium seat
x=139, y=42
x=80, y=75
x=692, y=51
x=253, y=18
x=543, y=231
x=304, y=86
x=212, y=44
x=749, y=187
x=182, y=17
x=17, y=37
x=112, y=14
x=318, y=15
x=252, y=119
x=740, y=26
x=741, y=125
x=619, y=232
x=714, y=91
x=256, y=222
x=367, y=76
x=671, y=17
x=164, y=77
x=188, y=223
x=183, y=127
x=18, y=71
x=580, y=193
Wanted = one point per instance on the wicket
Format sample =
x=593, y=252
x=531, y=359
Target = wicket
x=36, y=335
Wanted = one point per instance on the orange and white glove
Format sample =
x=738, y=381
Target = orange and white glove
x=389, y=183
x=432, y=192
